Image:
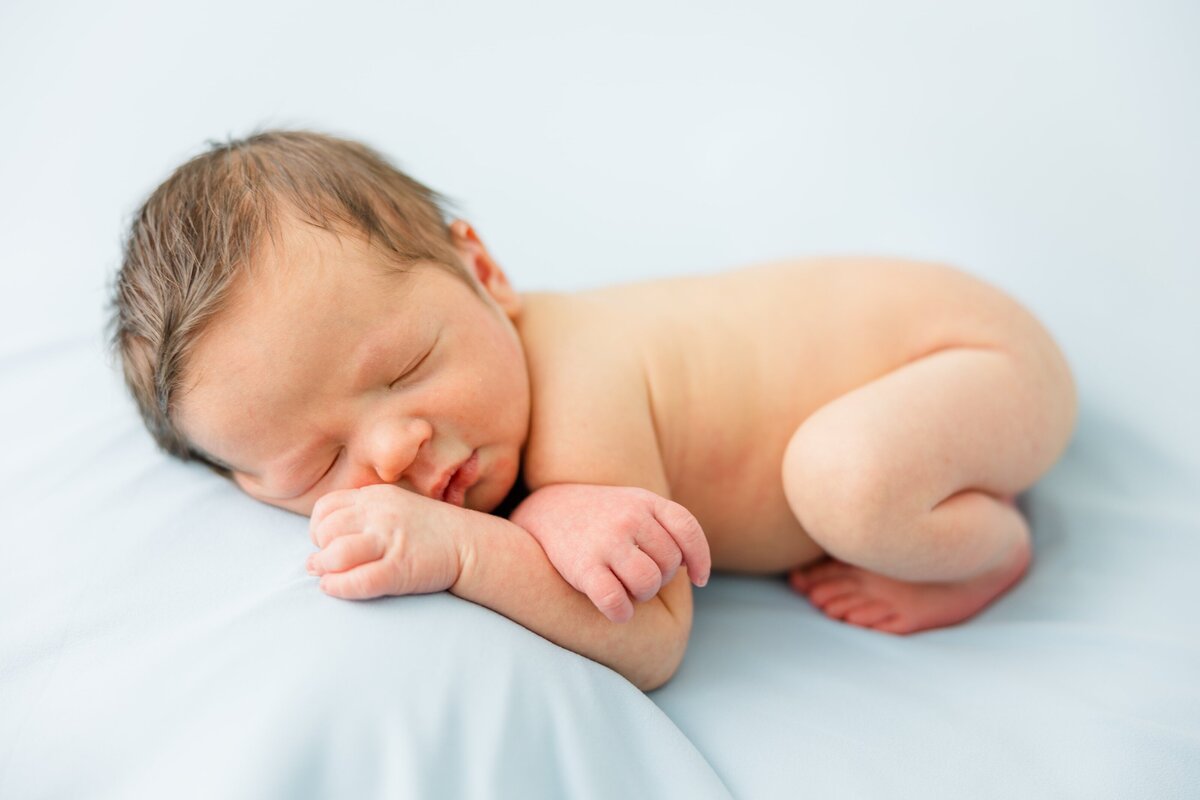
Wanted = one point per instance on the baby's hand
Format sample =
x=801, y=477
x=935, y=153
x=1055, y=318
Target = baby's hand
x=380, y=540
x=614, y=542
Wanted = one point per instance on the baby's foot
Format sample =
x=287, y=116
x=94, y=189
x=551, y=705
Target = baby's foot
x=870, y=600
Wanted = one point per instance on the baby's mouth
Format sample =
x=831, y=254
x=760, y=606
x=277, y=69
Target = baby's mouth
x=462, y=479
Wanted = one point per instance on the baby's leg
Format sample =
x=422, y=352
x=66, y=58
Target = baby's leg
x=907, y=483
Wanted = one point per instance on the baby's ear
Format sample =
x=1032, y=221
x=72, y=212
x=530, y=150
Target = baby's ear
x=461, y=229
x=464, y=238
x=487, y=272
x=495, y=282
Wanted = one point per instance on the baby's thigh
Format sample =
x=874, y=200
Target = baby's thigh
x=988, y=419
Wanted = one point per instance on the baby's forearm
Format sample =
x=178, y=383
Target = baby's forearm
x=505, y=569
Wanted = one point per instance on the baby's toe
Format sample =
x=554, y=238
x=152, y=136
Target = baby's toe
x=867, y=615
x=804, y=578
x=840, y=607
x=895, y=623
x=799, y=581
x=822, y=593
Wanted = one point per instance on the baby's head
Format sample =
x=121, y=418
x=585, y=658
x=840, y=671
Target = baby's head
x=296, y=313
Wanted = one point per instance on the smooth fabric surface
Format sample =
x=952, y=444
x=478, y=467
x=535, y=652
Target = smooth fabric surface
x=161, y=638
x=158, y=633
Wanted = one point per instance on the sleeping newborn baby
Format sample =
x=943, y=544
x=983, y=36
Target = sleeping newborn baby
x=297, y=313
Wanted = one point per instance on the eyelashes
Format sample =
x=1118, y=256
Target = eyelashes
x=330, y=469
x=413, y=370
x=314, y=484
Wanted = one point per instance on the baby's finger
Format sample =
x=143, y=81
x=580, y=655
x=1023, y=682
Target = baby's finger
x=608, y=595
x=687, y=533
x=372, y=579
x=345, y=552
x=339, y=522
x=657, y=543
x=327, y=504
x=640, y=575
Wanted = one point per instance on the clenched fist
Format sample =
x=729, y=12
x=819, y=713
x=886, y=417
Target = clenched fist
x=615, y=544
x=382, y=540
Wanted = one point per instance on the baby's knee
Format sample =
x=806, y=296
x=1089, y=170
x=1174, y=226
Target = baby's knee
x=839, y=489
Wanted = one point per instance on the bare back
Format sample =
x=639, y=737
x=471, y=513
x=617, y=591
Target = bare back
x=734, y=362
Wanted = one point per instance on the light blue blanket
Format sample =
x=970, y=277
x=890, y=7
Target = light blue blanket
x=159, y=636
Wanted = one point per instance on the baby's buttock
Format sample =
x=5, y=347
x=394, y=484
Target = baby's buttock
x=736, y=361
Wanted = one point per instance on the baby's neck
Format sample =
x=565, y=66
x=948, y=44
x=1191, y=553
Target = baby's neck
x=515, y=497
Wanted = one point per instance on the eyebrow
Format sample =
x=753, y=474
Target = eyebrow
x=217, y=462
x=370, y=354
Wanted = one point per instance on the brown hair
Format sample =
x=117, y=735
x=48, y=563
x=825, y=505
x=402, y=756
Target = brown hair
x=199, y=229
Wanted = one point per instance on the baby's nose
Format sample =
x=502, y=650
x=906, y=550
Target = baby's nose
x=387, y=476
x=394, y=446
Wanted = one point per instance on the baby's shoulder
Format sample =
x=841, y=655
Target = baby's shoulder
x=569, y=333
x=590, y=418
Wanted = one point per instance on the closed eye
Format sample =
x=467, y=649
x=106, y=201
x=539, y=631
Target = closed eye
x=325, y=473
x=414, y=369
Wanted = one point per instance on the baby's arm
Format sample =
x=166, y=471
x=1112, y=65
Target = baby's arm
x=616, y=544
x=382, y=540
x=505, y=569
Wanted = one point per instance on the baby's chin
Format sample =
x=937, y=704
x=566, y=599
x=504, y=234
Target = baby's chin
x=500, y=501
